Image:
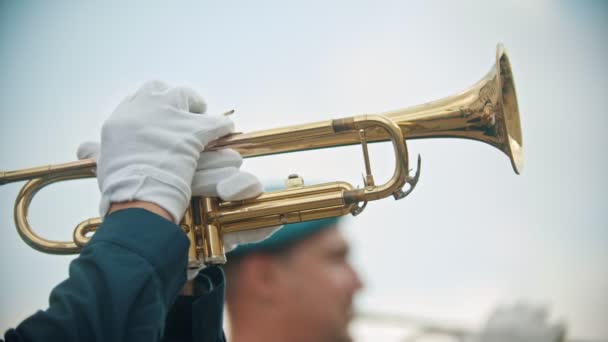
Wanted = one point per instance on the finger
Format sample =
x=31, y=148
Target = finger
x=153, y=87
x=88, y=149
x=219, y=159
x=187, y=99
x=240, y=186
x=204, y=182
x=212, y=127
x=231, y=240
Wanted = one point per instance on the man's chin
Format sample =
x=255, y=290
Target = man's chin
x=346, y=337
x=343, y=334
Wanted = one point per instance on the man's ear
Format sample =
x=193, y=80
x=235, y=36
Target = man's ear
x=262, y=274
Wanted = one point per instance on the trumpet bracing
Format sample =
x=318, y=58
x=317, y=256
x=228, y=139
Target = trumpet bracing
x=485, y=112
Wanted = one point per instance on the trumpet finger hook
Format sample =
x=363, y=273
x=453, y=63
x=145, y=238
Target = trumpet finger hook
x=412, y=181
x=358, y=209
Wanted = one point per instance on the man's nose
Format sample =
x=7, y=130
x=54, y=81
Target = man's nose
x=357, y=282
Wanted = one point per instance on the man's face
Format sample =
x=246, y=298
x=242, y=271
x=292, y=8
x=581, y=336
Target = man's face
x=317, y=285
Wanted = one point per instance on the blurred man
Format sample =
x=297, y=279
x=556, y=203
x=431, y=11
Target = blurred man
x=297, y=285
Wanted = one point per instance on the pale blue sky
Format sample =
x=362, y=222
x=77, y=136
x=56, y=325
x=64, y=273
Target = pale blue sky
x=472, y=234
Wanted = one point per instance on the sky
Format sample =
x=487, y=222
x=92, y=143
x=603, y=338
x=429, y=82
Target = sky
x=473, y=235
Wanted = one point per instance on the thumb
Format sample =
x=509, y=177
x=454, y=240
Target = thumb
x=88, y=149
x=187, y=99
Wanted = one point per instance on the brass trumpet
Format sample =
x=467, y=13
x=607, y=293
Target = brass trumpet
x=486, y=112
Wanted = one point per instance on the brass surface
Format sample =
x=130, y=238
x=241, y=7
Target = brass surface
x=486, y=112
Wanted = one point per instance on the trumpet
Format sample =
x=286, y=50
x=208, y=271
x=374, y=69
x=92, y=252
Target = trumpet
x=486, y=112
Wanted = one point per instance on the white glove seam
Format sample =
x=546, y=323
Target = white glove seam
x=175, y=148
x=177, y=211
x=139, y=174
x=147, y=171
x=108, y=199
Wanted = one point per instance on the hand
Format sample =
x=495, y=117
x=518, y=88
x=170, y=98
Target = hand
x=151, y=151
x=521, y=323
x=217, y=175
x=209, y=181
x=150, y=147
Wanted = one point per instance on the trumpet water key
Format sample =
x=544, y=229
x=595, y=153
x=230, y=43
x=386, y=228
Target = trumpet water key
x=485, y=112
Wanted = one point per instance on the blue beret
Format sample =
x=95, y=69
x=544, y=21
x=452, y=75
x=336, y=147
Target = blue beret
x=289, y=234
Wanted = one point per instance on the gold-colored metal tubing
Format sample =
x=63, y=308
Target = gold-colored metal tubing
x=400, y=173
x=44, y=171
x=253, y=210
x=458, y=116
x=83, y=228
x=23, y=201
x=212, y=237
x=282, y=202
x=280, y=219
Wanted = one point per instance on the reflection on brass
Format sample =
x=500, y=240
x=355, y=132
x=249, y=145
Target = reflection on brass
x=485, y=112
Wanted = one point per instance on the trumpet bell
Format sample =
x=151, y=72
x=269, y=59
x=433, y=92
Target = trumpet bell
x=508, y=100
x=486, y=112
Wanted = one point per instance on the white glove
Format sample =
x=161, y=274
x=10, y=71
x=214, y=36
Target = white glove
x=217, y=174
x=521, y=323
x=151, y=151
x=151, y=144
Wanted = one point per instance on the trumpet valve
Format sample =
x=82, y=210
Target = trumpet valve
x=294, y=181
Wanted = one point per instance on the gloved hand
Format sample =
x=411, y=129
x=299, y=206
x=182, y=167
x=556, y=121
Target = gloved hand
x=217, y=175
x=151, y=151
x=521, y=323
x=151, y=144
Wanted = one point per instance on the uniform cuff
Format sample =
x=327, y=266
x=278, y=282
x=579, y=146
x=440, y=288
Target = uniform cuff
x=159, y=241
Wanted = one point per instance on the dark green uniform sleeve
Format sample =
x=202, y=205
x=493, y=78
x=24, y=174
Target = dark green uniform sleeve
x=121, y=286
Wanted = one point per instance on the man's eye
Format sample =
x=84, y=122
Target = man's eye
x=338, y=257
